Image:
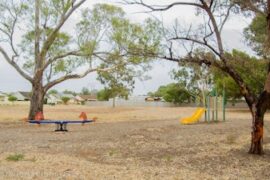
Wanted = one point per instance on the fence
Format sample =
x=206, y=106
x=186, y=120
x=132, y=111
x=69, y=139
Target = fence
x=130, y=104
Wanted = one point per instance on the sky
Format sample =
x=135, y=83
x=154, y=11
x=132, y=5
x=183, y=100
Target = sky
x=11, y=81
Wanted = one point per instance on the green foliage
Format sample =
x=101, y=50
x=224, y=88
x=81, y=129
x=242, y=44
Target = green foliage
x=256, y=35
x=85, y=91
x=65, y=99
x=69, y=92
x=107, y=93
x=252, y=70
x=12, y=98
x=174, y=92
x=118, y=83
x=15, y=157
x=101, y=36
x=53, y=91
x=195, y=78
x=137, y=40
x=104, y=95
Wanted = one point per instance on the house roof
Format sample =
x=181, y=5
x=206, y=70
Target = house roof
x=88, y=97
x=27, y=95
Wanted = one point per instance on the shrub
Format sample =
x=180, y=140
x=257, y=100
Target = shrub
x=65, y=99
x=15, y=157
x=12, y=98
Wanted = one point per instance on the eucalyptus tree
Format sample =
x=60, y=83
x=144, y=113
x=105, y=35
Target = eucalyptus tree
x=51, y=41
x=119, y=83
x=207, y=47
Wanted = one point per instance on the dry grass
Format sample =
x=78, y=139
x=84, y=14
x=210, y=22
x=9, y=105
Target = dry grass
x=129, y=143
x=17, y=113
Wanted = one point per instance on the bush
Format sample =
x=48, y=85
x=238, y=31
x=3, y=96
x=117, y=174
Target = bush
x=65, y=99
x=15, y=157
x=12, y=98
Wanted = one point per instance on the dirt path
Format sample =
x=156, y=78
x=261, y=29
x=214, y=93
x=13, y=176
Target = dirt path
x=152, y=149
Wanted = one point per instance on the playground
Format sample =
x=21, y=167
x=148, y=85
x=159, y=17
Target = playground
x=130, y=143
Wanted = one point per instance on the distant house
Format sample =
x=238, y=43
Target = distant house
x=70, y=96
x=84, y=98
x=79, y=99
x=22, y=96
x=54, y=99
x=153, y=99
x=3, y=96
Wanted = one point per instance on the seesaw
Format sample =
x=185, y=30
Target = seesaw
x=61, y=125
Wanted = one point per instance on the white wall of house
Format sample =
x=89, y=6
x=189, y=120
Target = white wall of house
x=53, y=99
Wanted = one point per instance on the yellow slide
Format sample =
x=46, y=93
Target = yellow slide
x=194, y=118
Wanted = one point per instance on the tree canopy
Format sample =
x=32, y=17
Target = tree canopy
x=99, y=39
x=175, y=93
x=203, y=43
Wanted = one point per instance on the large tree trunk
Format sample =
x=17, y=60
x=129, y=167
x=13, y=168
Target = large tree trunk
x=36, y=103
x=257, y=130
x=258, y=110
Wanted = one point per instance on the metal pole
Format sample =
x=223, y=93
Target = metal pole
x=205, y=107
x=208, y=109
x=216, y=105
x=223, y=102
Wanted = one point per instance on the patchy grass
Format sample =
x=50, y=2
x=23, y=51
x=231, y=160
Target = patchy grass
x=168, y=158
x=113, y=152
x=15, y=157
x=231, y=139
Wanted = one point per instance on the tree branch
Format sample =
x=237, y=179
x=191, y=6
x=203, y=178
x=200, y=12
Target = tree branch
x=198, y=42
x=245, y=90
x=12, y=63
x=71, y=53
x=53, y=35
x=74, y=76
x=215, y=26
x=162, y=8
x=226, y=18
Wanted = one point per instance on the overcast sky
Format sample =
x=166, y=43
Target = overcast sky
x=11, y=81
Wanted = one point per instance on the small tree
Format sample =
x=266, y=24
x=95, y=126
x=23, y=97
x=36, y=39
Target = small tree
x=53, y=91
x=104, y=95
x=85, y=91
x=12, y=99
x=65, y=100
x=175, y=93
x=120, y=82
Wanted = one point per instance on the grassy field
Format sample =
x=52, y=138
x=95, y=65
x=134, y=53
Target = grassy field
x=129, y=143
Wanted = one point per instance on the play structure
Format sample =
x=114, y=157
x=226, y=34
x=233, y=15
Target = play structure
x=61, y=125
x=194, y=118
x=213, y=110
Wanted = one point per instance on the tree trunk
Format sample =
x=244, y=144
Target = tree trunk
x=113, y=102
x=36, y=103
x=257, y=131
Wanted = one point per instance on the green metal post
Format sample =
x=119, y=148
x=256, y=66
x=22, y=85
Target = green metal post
x=208, y=108
x=216, y=104
x=223, y=102
x=205, y=107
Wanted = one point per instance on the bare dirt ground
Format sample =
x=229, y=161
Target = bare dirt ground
x=130, y=143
